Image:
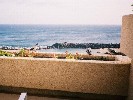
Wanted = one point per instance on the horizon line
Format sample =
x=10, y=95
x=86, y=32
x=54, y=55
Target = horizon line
x=60, y=24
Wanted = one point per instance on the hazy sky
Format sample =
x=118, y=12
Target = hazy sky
x=63, y=11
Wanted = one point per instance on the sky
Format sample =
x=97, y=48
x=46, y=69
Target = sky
x=64, y=11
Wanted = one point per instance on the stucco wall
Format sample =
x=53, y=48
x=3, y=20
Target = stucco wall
x=126, y=44
x=66, y=75
x=130, y=97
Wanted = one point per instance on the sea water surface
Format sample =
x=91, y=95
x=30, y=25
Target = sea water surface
x=29, y=35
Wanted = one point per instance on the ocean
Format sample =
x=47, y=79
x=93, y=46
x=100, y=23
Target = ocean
x=29, y=35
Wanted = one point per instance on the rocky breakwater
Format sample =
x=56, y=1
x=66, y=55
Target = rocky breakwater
x=85, y=45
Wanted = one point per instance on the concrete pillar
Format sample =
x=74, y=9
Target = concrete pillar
x=126, y=43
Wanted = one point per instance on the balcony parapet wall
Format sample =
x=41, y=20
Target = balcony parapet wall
x=98, y=77
x=126, y=43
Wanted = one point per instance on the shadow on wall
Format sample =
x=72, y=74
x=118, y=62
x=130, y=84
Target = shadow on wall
x=130, y=95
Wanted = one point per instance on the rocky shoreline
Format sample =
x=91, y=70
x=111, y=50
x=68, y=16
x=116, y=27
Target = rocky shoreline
x=67, y=45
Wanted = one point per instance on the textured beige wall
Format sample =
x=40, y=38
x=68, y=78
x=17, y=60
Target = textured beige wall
x=126, y=44
x=130, y=97
x=66, y=75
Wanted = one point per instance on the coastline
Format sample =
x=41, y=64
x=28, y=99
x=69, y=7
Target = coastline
x=103, y=51
x=96, y=48
x=67, y=45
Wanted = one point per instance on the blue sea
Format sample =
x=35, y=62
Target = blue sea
x=29, y=35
